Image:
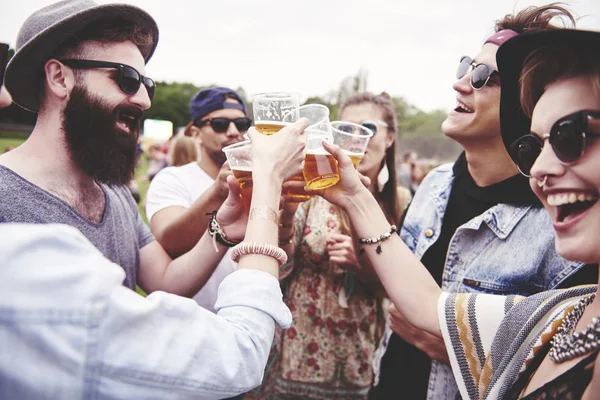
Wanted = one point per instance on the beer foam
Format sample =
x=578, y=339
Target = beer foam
x=272, y=123
x=246, y=168
x=351, y=154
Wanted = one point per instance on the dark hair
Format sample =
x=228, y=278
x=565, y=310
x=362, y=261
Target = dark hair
x=107, y=31
x=551, y=63
x=389, y=195
x=537, y=18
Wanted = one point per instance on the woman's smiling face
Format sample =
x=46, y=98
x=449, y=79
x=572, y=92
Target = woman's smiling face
x=570, y=193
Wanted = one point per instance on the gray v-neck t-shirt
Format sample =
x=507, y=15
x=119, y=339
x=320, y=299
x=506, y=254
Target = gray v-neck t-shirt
x=119, y=236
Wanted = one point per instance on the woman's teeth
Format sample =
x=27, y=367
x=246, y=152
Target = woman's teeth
x=568, y=198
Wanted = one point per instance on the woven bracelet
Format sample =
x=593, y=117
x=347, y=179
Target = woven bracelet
x=377, y=239
x=264, y=249
x=217, y=233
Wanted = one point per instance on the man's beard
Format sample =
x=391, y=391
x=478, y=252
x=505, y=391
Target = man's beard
x=96, y=145
x=218, y=156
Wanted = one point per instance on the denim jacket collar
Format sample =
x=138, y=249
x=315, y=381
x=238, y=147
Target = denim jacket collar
x=501, y=218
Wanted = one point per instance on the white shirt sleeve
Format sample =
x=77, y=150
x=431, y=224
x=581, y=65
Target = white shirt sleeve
x=166, y=190
x=167, y=346
x=103, y=339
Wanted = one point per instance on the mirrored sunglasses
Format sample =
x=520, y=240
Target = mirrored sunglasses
x=480, y=73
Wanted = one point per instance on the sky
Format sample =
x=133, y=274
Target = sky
x=409, y=48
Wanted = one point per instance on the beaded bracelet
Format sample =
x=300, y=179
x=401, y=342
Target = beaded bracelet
x=265, y=249
x=377, y=239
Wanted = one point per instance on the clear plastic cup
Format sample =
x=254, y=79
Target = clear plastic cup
x=352, y=138
x=239, y=156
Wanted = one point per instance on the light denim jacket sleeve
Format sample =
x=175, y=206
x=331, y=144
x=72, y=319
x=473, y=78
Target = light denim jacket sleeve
x=506, y=250
x=70, y=330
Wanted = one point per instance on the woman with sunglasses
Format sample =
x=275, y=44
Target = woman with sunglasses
x=333, y=293
x=475, y=224
x=508, y=347
x=180, y=199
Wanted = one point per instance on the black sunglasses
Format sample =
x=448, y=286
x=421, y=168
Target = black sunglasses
x=221, y=124
x=128, y=78
x=371, y=125
x=480, y=75
x=567, y=137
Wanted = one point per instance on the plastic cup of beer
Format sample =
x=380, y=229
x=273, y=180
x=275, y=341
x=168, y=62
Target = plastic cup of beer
x=320, y=168
x=352, y=138
x=270, y=109
x=239, y=156
x=318, y=117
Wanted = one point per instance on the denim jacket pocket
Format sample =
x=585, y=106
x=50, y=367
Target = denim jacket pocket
x=479, y=286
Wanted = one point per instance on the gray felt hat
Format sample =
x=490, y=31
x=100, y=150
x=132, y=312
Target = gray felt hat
x=46, y=29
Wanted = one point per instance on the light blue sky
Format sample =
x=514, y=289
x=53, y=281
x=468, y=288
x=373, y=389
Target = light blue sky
x=409, y=48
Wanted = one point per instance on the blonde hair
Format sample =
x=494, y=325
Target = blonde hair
x=183, y=150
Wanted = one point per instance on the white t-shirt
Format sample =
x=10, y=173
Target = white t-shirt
x=181, y=186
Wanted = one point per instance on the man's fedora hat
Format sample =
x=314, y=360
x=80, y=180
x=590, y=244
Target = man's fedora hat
x=510, y=58
x=46, y=29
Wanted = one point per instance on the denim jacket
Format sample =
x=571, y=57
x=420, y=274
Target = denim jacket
x=69, y=329
x=505, y=250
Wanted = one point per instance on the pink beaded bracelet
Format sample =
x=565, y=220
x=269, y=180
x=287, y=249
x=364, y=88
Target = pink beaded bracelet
x=265, y=249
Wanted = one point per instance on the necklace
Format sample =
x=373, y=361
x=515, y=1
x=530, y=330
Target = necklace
x=567, y=344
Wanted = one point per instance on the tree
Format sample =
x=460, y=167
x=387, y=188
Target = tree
x=333, y=107
x=172, y=102
x=351, y=85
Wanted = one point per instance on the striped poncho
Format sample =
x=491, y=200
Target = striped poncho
x=492, y=339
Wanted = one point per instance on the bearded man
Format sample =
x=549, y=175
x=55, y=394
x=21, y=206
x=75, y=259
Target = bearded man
x=80, y=66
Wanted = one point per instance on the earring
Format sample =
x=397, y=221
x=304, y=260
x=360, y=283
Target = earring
x=542, y=183
x=383, y=177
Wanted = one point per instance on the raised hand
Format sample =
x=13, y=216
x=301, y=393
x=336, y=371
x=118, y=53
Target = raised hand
x=351, y=182
x=280, y=155
x=231, y=215
x=220, y=186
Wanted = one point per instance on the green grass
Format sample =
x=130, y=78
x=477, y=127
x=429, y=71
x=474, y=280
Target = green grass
x=6, y=142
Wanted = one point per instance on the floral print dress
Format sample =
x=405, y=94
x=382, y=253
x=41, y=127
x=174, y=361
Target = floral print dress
x=327, y=352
